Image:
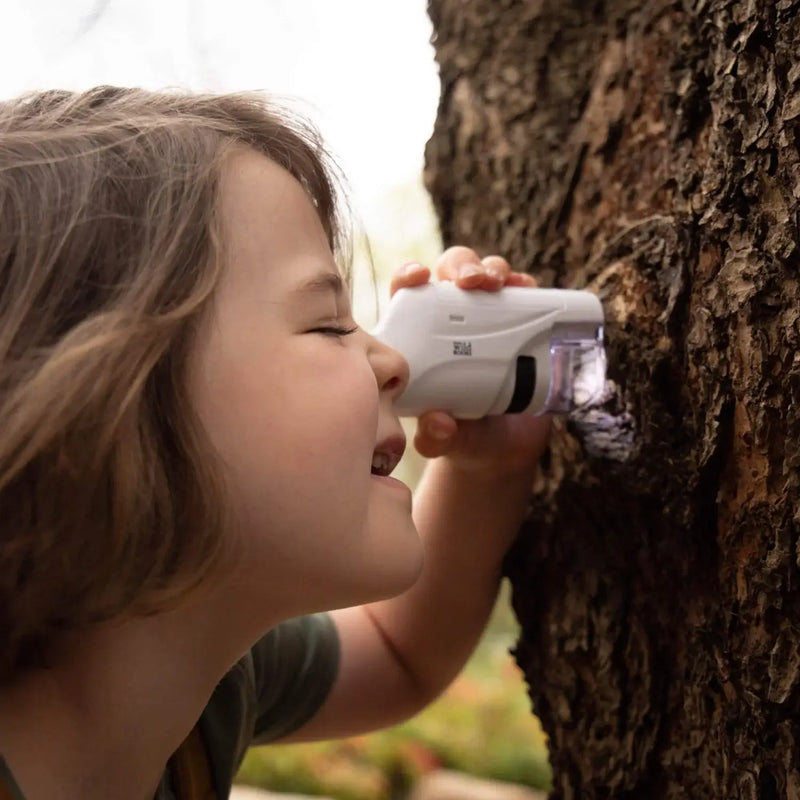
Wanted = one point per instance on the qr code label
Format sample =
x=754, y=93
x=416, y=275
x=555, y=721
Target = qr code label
x=462, y=348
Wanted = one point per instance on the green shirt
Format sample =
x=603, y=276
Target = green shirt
x=272, y=691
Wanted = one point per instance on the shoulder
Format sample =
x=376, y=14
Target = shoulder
x=271, y=691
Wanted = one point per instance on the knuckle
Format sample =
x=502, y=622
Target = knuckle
x=458, y=254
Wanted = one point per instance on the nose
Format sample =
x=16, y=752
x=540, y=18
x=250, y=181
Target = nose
x=390, y=367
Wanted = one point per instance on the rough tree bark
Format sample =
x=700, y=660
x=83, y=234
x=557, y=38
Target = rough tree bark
x=650, y=151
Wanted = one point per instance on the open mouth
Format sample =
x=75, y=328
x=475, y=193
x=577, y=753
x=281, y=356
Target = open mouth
x=387, y=455
x=383, y=464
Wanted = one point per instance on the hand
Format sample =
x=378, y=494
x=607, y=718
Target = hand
x=501, y=445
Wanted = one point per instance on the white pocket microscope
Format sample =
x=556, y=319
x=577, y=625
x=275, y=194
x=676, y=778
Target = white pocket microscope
x=478, y=353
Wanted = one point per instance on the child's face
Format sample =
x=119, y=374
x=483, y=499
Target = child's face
x=296, y=414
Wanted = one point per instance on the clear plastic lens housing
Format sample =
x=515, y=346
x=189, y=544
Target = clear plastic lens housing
x=577, y=373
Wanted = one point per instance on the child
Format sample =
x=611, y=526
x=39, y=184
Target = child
x=194, y=450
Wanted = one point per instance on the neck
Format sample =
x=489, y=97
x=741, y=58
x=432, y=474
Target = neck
x=118, y=703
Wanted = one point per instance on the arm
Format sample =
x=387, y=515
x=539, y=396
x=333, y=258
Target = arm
x=467, y=521
x=399, y=654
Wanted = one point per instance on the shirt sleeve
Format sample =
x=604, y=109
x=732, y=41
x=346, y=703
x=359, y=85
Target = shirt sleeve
x=295, y=667
x=272, y=691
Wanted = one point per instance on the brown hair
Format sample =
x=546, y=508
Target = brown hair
x=110, y=250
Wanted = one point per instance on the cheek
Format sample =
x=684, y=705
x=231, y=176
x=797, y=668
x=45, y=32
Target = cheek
x=296, y=435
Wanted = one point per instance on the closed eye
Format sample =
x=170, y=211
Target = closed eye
x=334, y=330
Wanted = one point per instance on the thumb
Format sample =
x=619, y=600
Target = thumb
x=436, y=434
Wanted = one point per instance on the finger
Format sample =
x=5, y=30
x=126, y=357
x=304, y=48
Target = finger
x=468, y=274
x=497, y=267
x=436, y=433
x=470, y=277
x=521, y=279
x=449, y=262
x=408, y=276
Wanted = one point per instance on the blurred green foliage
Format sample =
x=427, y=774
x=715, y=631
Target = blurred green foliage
x=482, y=726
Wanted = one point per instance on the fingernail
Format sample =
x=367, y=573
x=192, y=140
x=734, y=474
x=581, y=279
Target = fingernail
x=493, y=273
x=412, y=266
x=467, y=270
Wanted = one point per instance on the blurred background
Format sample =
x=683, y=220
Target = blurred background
x=364, y=72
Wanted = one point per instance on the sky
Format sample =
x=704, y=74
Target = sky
x=363, y=70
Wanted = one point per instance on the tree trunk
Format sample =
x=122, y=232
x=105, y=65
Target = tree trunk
x=650, y=151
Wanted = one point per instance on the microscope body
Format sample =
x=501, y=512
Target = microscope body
x=477, y=353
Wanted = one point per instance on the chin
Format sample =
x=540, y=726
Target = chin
x=381, y=579
x=399, y=572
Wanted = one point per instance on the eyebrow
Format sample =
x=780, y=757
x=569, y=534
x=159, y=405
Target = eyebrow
x=323, y=282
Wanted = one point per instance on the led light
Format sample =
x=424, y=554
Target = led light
x=577, y=373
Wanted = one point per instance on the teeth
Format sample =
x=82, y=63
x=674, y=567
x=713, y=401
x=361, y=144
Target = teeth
x=381, y=463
